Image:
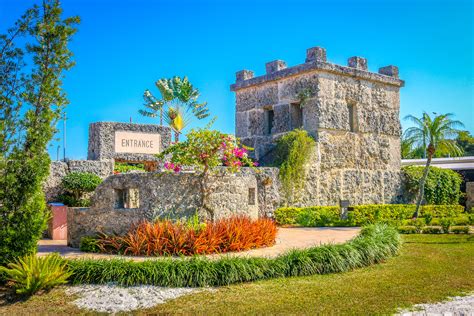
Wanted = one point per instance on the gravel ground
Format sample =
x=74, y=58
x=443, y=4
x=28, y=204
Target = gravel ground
x=113, y=298
x=456, y=306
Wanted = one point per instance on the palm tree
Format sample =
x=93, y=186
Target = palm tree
x=432, y=134
x=178, y=104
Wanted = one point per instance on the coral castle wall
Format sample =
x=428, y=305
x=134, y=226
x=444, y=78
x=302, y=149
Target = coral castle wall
x=352, y=113
x=124, y=199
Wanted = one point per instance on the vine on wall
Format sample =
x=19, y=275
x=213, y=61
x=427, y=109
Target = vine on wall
x=293, y=151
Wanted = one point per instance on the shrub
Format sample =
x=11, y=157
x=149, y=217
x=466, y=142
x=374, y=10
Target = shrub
x=318, y=216
x=287, y=215
x=168, y=238
x=443, y=186
x=123, y=167
x=460, y=229
x=308, y=216
x=408, y=230
x=292, y=152
x=89, y=244
x=76, y=184
x=432, y=230
x=374, y=244
x=31, y=273
x=446, y=223
x=442, y=210
x=363, y=214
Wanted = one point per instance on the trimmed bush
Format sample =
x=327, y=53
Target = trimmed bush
x=442, y=210
x=443, y=186
x=76, y=185
x=31, y=273
x=287, y=215
x=314, y=216
x=375, y=244
x=360, y=215
x=189, y=238
x=460, y=229
x=432, y=230
x=408, y=230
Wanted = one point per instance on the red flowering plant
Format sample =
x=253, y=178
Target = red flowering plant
x=204, y=150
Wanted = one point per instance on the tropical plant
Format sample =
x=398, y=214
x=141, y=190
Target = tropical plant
x=432, y=133
x=177, y=106
x=204, y=150
x=31, y=101
x=31, y=273
x=293, y=150
x=191, y=237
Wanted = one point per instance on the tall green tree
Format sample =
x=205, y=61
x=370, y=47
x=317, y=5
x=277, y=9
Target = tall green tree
x=31, y=102
x=177, y=106
x=431, y=134
x=466, y=142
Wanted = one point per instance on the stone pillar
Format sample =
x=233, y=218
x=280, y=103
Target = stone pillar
x=390, y=70
x=357, y=62
x=274, y=66
x=243, y=75
x=316, y=54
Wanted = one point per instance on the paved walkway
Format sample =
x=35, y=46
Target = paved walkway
x=287, y=238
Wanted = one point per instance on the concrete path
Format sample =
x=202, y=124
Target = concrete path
x=287, y=239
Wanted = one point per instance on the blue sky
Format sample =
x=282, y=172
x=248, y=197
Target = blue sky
x=123, y=47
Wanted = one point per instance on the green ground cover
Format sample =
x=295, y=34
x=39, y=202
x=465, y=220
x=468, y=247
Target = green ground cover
x=428, y=269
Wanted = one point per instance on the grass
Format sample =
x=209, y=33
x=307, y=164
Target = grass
x=428, y=269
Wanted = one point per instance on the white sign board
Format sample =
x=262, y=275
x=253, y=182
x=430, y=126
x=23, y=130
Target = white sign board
x=137, y=143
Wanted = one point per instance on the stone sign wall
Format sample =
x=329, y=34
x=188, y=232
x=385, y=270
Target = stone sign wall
x=352, y=113
x=124, y=199
x=127, y=141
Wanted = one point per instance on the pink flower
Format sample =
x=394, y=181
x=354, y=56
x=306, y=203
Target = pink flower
x=177, y=168
x=237, y=163
x=255, y=163
x=169, y=165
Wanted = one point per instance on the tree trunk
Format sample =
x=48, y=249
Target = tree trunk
x=176, y=137
x=423, y=181
x=205, y=192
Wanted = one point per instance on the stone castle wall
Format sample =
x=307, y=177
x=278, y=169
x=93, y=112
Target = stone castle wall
x=353, y=115
x=150, y=195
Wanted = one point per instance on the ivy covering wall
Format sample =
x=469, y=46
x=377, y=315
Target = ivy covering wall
x=443, y=186
x=293, y=151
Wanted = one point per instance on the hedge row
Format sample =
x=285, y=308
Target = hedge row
x=360, y=214
x=374, y=244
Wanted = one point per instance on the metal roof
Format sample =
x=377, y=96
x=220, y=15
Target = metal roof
x=454, y=163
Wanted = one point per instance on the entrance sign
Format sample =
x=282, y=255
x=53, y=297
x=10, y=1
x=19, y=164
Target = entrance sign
x=137, y=143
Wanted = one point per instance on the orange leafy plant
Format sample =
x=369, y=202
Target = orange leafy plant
x=159, y=238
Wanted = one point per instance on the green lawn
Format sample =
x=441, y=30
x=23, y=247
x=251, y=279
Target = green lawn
x=429, y=268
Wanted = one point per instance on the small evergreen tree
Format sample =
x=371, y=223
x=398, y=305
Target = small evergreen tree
x=31, y=101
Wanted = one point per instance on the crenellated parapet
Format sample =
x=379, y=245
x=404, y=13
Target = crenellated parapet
x=316, y=60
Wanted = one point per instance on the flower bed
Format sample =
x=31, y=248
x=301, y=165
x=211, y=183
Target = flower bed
x=187, y=238
x=375, y=244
